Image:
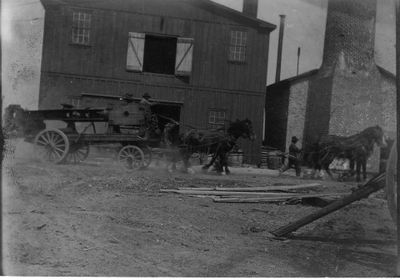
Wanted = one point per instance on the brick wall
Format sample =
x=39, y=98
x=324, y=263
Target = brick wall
x=318, y=108
x=388, y=91
x=297, y=112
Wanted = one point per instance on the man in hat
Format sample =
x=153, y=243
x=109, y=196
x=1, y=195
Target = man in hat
x=294, y=157
x=145, y=106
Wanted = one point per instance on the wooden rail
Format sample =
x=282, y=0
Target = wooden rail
x=373, y=185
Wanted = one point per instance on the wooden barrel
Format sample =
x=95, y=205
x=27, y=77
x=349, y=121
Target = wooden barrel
x=264, y=157
x=235, y=159
x=391, y=184
x=274, y=162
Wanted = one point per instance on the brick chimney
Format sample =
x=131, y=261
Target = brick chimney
x=350, y=35
x=344, y=98
x=250, y=8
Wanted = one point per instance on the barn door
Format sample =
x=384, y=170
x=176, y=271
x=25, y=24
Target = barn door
x=134, y=59
x=184, y=54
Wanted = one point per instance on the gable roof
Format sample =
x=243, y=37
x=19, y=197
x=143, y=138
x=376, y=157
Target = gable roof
x=292, y=80
x=207, y=5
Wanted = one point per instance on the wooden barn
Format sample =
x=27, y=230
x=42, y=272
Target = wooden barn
x=206, y=63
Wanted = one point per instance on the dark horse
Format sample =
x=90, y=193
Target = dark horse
x=216, y=142
x=357, y=148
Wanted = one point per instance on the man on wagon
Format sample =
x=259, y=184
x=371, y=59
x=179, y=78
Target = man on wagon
x=150, y=120
x=294, y=157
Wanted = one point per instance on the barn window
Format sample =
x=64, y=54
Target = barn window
x=81, y=23
x=216, y=118
x=237, y=47
x=160, y=54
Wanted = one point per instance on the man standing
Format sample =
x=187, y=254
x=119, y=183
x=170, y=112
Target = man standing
x=150, y=119
x=294, y=157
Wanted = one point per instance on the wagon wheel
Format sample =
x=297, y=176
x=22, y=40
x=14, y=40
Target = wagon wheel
x=52, y=145
x=77, y=153
x=391, y=184
x=132, y=157
x=148, y=156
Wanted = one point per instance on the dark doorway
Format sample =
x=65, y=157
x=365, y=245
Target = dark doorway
x=276, y=115
x=159, y=54
x=166, y=112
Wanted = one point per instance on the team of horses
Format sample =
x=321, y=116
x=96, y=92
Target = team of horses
x=356, y=148
x=215, y=142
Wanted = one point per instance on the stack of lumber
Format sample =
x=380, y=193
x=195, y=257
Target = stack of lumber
x=255, y=194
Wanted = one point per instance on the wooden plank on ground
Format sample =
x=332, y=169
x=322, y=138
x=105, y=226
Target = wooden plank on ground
x=250, y=194
x=254, y=189
x=213, y=192
x=272, y=199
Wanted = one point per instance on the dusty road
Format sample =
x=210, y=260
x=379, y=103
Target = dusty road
x=96, y=219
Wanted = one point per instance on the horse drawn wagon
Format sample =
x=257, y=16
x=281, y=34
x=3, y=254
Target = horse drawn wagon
x=133, y=126
x=126, y=125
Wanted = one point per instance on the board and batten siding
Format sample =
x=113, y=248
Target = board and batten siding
x=107, y=54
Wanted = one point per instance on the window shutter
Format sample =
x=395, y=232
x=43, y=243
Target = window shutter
x=135, y=54
x=184, y=55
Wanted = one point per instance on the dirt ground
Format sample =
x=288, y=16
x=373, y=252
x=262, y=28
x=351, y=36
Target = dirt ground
x=97, y=219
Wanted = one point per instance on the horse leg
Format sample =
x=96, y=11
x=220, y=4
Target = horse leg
x=351, y=167
x=208, y=165
x=225, y=163
x=358, y=170
x=171, y=160
x=364, y=167
x=329, y=173
x=326, y=168
x=227, y=171
x=220, y=167
x=187, y=166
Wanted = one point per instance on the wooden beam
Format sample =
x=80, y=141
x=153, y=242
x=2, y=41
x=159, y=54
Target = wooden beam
x=373, y=185
x=251, y=189
x=225, y=193
x=271, y=199
x=214, y=192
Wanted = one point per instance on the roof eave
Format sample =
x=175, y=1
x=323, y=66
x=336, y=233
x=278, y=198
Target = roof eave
x=226, y=11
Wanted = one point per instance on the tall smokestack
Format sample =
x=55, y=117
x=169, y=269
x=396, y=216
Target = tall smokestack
x=280, y=42
x=250, y=8
x=350, y=35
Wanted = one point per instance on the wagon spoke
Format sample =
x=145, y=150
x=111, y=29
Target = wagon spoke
x=52, y=137
x=46, y=138
x=59, y=140
x=41, y=142
x=125, y=153
x=56, y=152
x=58, y=149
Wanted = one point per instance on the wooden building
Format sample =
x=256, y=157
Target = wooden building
x=206, y=62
